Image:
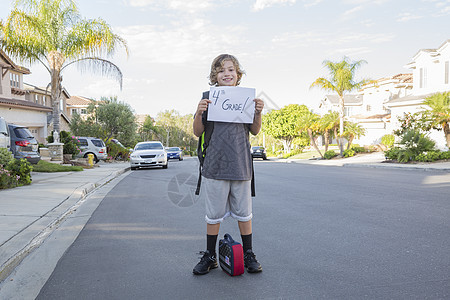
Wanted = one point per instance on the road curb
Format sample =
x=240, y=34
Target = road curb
x=62, y=211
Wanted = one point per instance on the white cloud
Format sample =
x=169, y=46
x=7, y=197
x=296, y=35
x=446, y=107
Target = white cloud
x=309, y=3
x=191, y=6
x=404, y=17
x=186, y=41
x=351, y=51
x=262, y=4
x=352, y=11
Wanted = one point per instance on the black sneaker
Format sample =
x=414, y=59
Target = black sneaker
x=207, y=262
x=250, y=262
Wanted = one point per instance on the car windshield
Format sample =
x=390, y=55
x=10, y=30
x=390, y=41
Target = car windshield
x=173, y=149
x=149, y=146
x=257, y=148
x=23, y=133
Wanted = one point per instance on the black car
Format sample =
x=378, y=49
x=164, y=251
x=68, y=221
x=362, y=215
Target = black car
x=23, y=144
x=259, y=152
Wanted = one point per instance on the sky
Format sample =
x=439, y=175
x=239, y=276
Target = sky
x=281, y=45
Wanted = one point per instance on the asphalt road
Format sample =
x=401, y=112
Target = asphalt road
x=319, y=233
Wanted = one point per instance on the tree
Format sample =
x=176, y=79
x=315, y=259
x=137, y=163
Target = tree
x=283, y=124
x=341, y=81
x=329, y=123
x=353, y=130
x=309, y=122
x=440, y=112
x=53, y=33
x=116, y=118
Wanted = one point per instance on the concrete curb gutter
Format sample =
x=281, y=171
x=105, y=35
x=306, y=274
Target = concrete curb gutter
x=55, y=216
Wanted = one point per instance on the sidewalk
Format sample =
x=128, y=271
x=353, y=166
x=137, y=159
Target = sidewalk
x=28, y=214
x=372, y=160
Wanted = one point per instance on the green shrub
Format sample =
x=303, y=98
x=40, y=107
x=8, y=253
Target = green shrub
x=348, y=153
x=69, y=141
x=5, y=156
x=444, y=155
x=116, y=151
x=388, y=140
x=329, y=154
x=358, y=149
x=392, y=153
x=8, y=179
x=428, y=156
x=21, y=168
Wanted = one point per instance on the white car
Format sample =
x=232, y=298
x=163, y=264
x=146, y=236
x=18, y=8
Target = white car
x=148, y=154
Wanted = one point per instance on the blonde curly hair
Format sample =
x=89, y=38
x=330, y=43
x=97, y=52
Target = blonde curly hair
x=217, y=65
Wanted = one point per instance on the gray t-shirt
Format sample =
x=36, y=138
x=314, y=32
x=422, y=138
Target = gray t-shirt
x=228, y=155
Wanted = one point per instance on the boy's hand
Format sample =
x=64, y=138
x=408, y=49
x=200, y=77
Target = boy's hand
x=202, y=106
x=259, y=105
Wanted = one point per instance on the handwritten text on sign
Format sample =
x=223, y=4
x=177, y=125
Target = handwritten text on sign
x=231, y=104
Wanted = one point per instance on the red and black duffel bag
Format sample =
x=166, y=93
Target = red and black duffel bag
x=231, y=256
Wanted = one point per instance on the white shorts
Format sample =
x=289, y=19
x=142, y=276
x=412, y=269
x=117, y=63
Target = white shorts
x=226, y=197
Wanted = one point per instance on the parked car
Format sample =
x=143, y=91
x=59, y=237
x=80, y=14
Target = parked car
x=23, y=144
x=92, y=145
x=259, y=152
x=174, y=153
x=5, y=139
x=148, y=154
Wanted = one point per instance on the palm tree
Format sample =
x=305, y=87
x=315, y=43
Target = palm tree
x=440, y=112
x=53, y=33
x=341, y=81
x=309, y=122
x=329, y=123
x=353, y=130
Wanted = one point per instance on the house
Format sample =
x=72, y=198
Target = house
x=24, y=104
x=374, y=114
x=79, y=105
x=14, y=106
x=42, y=96
x=431, y=75
x=377, y=107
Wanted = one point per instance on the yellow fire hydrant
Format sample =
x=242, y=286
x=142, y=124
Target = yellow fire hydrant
x=91, y=159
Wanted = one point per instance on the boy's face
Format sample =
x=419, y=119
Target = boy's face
x=227, y=75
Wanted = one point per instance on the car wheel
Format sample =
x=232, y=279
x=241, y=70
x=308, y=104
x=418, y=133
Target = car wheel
x=180, y=158
x=166, y=165
x=264, y=157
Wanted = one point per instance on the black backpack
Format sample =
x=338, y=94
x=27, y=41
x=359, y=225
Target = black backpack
x=203, y=142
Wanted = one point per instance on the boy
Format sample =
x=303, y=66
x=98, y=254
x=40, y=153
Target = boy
x=227, y=169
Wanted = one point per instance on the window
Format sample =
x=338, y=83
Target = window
x=36, y=98
x=368, y=108
x=44, y=98
x=348, y=111
x=423, y=78
x=83, y=142
x=74, y=111
x=61, y=104
x=446, y=72
x=83, y=111
x=14, y=80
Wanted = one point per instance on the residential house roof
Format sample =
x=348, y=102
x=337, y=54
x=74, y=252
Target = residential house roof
x=408, y=98
x=11, y=65
x=79, y=100
x=348, y=99
x=24, y=104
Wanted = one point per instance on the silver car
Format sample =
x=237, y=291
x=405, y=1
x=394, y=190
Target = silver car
x=91, y=145
x=148, y=154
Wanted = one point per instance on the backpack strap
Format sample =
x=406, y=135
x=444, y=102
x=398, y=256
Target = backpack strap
x=203, y=143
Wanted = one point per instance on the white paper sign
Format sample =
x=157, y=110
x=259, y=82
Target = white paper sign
x=231, y=104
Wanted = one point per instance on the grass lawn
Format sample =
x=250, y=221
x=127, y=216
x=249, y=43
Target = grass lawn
x=44, y=166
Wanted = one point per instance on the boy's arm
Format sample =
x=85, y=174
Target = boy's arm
x=198, y=123
x=257, y=119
